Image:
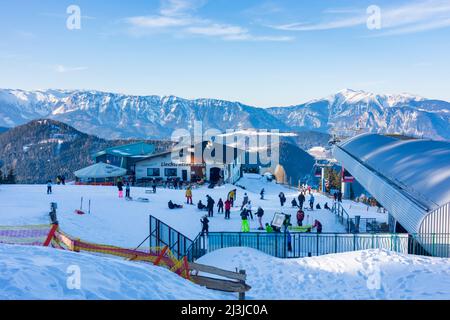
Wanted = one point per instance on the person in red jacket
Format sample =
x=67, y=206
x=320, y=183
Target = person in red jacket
x=227, y=209
x=300, y=217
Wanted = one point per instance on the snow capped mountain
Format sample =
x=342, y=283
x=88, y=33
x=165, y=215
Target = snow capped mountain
x=111, y=115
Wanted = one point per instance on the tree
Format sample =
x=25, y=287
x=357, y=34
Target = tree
x=333, y=177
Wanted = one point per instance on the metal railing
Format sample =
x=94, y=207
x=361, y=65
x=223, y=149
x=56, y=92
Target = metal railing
x=162, y=235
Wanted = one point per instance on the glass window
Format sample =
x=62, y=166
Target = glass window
x=170, y=172
x=153, y=172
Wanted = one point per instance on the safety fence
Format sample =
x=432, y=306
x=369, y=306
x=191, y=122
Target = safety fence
x=52, y=236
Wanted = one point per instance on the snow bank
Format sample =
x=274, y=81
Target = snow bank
x=42, y=273
x=372, y=274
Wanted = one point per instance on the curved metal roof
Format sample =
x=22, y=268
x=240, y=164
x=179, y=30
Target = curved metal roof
x=419, y=167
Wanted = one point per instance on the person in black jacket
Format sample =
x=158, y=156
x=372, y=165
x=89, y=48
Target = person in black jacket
x=210, y=205
x=172, y=205
x=301, y=200
x=120, y=188
x=260, y=214
x=205, y=225
x=220, y=206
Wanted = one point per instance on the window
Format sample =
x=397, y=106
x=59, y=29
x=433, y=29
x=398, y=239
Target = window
x=170, y=172
x=153, y=172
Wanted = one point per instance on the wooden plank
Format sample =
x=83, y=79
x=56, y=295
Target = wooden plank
x=217, y=271
x=221, y=285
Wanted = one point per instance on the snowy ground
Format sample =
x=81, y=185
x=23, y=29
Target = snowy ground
x=39, y=273
x=372, y=274
x=119, y=222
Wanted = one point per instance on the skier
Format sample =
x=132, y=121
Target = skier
x=260, y=214
x=339, y=196
x=326, y=206
x=120, y=188
x=245, y=201
x=205, y=225
x=248, y=206
x=318, y=207
x=301, y=200
x=269, y=228
x=189, y=195
x=63, y=180
x=262, y=194
x=210, y=205
x=220, y=206
x=127, y=190
x=294, y=203
x=300, y=218
x=318, y=226
x=244, y=217
x=154, y=186
x=227, y=209
x=49, y=187
x=232, y=196
x=311, y=201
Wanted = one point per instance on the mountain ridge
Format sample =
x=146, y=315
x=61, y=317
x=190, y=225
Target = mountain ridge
x=117, y=115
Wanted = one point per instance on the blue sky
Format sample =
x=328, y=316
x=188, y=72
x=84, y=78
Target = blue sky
x=262, y=53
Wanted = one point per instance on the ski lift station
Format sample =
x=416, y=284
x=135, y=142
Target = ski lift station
x=410, y=178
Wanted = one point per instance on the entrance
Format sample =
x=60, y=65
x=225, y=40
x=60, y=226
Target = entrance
x=214, y=174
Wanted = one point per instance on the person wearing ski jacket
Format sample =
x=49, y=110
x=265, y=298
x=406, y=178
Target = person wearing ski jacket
x=260, y=214
x=244, y=217
x=244, y=201
x=311, y=201
x=248, y=207
x=188, y=195
x=227, y=209
x=300, y=218
x=269, y=228
x=282, y=198
x=205, y=225
x=301, y=200
x=127, y=190
x=220, y=206
x=262, y=194
x=120, y=188
x=49, y=187
x=318, y=226
x=210, y=205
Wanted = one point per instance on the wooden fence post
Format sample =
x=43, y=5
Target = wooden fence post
x=242, y=294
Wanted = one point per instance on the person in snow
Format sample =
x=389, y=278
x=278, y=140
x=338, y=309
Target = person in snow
x=210, y=206
x=227, y=209
x=339, y=196
x=269, y=228
x=120, y=188
x=282, y=198
x=244, y=217
x=245, y=201
x=317, y=225
x=232, y=196
x=300, y=217
x=172, y=205
x=63, y=180
x=262, y=193
x=200, y=205
x=318, y=207
x=205, y=225
x=335, y=196
x=311, y=201
x=294, y=203
x=189, y=195
x=127, y=190
x=220, y=206
x=49, y=187
x=301, y=200
x=260, y=214
x=248, y=207
x=154, y=186
x=326, y=206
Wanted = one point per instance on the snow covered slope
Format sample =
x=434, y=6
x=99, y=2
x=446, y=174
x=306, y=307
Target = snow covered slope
x=373, y=274
x=121, y=116
x=39, y=273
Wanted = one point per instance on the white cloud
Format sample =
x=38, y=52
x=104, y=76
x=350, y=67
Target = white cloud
x=177, y=16
x=414, y=17
x=65, y=69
